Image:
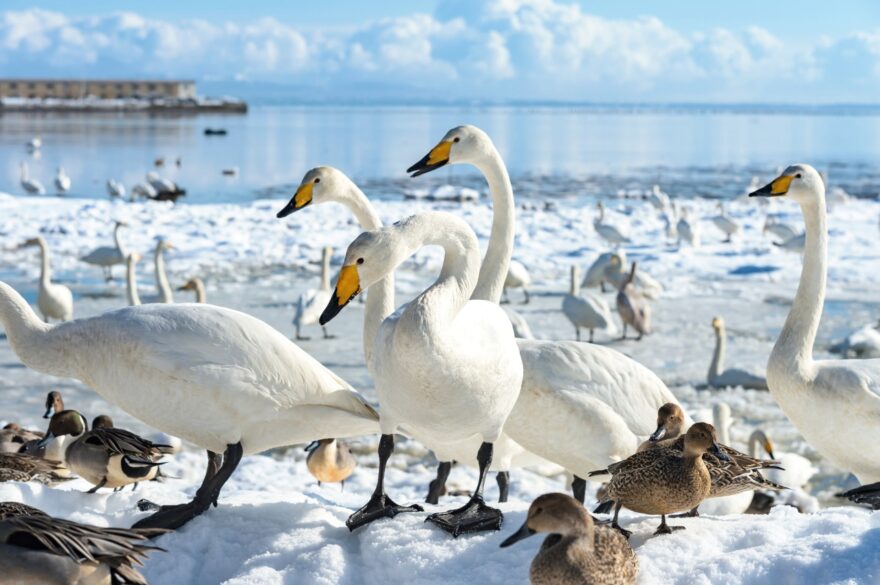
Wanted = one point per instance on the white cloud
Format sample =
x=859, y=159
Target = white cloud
x=503, y=49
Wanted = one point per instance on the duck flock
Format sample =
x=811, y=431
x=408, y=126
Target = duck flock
x=452, y=370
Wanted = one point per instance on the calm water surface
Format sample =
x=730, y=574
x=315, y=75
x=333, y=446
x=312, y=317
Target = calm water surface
x=549, y=150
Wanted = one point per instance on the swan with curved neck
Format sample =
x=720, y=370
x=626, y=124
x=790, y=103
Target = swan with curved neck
x=445, y=366
x=586, y=311
x=606, y=231
x=835, y=404
x=198, y=286
x=221, y=379
x=106, y=256
x=598, y=399
x=162, y=286
x=55, y=301
x=721, y=378
x=312, y=301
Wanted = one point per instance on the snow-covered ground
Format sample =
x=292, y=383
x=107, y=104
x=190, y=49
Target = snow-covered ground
x=275, y=525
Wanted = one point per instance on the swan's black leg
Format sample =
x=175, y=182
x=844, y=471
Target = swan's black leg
x=475, y=516
x=380, y=505
x=437, y=487
x=503, y=480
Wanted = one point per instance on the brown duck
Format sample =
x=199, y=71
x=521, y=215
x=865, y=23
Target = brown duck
x=575, y=551
x=330, y=461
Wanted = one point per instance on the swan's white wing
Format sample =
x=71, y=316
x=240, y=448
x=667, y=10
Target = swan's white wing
x=312, y=303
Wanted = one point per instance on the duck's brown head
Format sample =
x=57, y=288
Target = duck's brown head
x=701, y=438
x=54, y=403
x=554, y=513
x=102, y=421
x=670, y=422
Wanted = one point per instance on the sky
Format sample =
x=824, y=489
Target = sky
x=459, y=50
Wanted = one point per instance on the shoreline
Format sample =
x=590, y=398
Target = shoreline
x=127, y=106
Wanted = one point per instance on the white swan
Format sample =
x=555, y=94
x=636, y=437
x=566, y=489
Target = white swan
x=658, y=198
x=131, y=285
x=115, y=188
x=862, y=343
x=108, y=256
x=312, y=301
x=687, y=230
x=160, y=184
x=586, y=311
x=521, y=327
x=737, y=503
x=728, y=226
x=31, y=186
x=34, y=144
x=835, y=404
x=221, y=379
x=611, y=234
x=143, y=190
x=55, y=301
x=445, y=367
x=721, y=378
x=196, y=285
x=62, y=181
x=781, y=230
x=518, y=277
x=162, y=286
x=796, y=244
x=609, y=267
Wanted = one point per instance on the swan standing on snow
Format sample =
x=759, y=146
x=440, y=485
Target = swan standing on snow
x=783, y=231
x=658, y=198
x=518, y=277
x=62, y=181
x=443, y=364
x=835, y=404
x=634, y=310
x=131, y=285
x=687, y=231
x=608, y=267
x=314, y=300
x=728, y=226
x=115, y=189
x=165, y=294
x=862, y=343
x=606, y=231
x=196, y=285
x=586, y=311
x=55, y=301
x=731, y=378
x=31, y=186
x=108, y=256
x=218, y=378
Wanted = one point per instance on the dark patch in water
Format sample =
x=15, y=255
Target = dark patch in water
x=752, y=269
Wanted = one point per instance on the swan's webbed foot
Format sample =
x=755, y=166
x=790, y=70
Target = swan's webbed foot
x=171, y=517
x=475, y=516
x=379, y=506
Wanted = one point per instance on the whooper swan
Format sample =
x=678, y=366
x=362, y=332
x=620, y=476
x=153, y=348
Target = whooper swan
x=586, y=311
x=108, y=256
x=312, y=301
x=55, y=301
x=733, y=377
x=162, y=286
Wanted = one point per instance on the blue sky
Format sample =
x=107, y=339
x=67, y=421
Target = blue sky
x=450, y=50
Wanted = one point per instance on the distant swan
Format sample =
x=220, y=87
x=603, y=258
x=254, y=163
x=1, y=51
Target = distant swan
x=728, y=226
x=31, y=186
x=586, y=311
x=115, y=189
x=721, y=378
x=131, y=285
x=606, y=231
x=518, y=277
x=162, y=286
x=835, y=404
x=783, y=231
x=687, y=230
x=195, y=284
x=62, y=181
x=862, y=343
x=312, y=301
x=55, y=301
x=108, y=256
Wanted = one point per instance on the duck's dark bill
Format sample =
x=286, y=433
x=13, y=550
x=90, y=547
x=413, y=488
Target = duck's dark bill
x=523, y=532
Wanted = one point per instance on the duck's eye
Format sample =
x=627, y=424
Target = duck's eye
x=797, y=176
x=360, y=260
x=317, y=179
x=456, y=139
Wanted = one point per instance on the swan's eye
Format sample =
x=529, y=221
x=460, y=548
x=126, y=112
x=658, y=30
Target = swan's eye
x=456, y=139
x=797, y=176
x=318, y=180
x=360, y=260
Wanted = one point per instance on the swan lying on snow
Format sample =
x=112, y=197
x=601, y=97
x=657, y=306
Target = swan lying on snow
x=733, y=377
x=861, y=343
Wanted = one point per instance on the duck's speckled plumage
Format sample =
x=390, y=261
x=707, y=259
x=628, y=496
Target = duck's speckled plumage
x=23, y=467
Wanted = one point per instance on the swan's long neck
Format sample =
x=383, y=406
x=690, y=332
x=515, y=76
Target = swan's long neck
x=380, y=297
x=722, y=425
x=161, y=278
x=131, y=283
x=717, y=365
x=325, y=269
x=794, y=348
x=575, y=287
x=493, y=271
x=119, y=246
x=29, y=337
x=437, y=306
x=45, y=268
x=755, y=444
x=201, y=297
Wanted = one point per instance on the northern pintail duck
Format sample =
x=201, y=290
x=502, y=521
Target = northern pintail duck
x=575, y=551
x=54, y=403
x=633, y=308
x=36, y=548
x=670, y=424
x=105, y=457
x=664, y=480
x=102, y=421
x=330, y=461
x=13, y=438
x=24, y=467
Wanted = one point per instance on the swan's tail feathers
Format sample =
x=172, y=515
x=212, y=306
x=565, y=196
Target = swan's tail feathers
x=864, y=494
x=604, y=507
x=353, y=402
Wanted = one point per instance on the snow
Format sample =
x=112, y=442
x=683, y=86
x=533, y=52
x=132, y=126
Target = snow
x=275, y=525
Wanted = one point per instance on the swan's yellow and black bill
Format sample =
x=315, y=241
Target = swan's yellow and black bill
x=435, y=159
x=776, y=188
x=347, y=287
x=300, y=199
x=523, y=532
